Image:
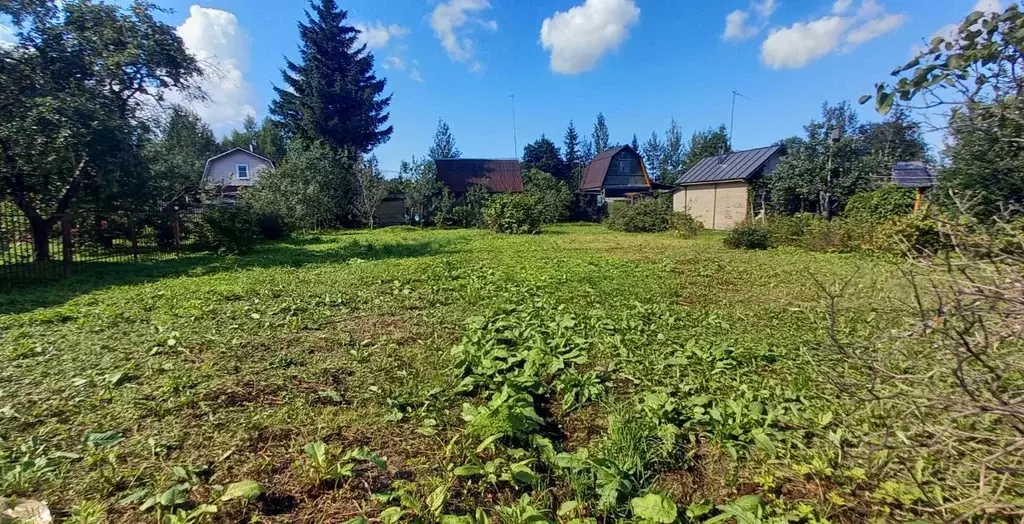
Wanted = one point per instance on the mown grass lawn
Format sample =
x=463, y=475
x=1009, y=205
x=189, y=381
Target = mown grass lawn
x=683, y=368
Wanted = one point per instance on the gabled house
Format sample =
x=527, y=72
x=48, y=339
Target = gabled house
x=498, y=176
x=619, y=173
x=231, y=171
x=718, y=190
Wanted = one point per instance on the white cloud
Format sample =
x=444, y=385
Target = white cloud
x=376, y=35
x=738, y=24
x=394, y=62
x=842, y=6
x=579, y=37
x=416, y=76
x=989, y=6
x=449, y=21
x=875, y=28
x=224, y=49
x=802, y=43
x=7, y=37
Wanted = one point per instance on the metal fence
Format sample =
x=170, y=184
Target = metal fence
x=78, y=240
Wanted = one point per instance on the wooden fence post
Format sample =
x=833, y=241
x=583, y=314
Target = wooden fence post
x=133, y=236
x=67, y=243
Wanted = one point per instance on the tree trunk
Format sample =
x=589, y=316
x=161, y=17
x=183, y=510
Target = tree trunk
x=40, y=238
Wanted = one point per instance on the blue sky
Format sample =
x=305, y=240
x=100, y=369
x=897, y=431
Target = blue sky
x=641, y=62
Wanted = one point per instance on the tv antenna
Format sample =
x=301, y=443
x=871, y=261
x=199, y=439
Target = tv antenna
x=515, y=137
x=732, y=116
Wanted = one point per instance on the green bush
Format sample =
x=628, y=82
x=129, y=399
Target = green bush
x=684, y=225
x=272, y=226
x=790, y=230
x=553, y=195
x=645, y=216
x=227, y=229
x=514, y=214
x=885, y=203
x=748, y=236
x=917, y=233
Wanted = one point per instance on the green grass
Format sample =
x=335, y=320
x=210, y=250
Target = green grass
x=228, y=367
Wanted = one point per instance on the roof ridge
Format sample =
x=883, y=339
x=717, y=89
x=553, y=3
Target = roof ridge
x=751, y=149
x=485, y=159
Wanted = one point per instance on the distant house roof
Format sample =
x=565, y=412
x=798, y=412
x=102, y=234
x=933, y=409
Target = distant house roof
x=500, y=176
x=738, y=165
x=913, y=174
x=597, y=170
x=209, y=161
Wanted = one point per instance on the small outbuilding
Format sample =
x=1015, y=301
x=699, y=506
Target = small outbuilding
x=498, y=176
x=717, y=191
x=619, y=173
x=915, y=175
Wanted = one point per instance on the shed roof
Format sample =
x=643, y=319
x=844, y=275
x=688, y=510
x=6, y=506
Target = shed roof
x=913, y=174
x=738, y=165
x=500, y=176
x=597, y=170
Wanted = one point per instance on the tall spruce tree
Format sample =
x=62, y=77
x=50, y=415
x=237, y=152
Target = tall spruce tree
x=654, y=156
x=635, y=144
x=544, y=155
x=572, y=148
x=444, y=143
x=332, y=94
x=601, y=136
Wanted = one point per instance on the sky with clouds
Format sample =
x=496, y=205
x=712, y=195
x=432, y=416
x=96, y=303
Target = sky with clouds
x=641, y=62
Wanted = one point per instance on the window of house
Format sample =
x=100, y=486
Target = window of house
x=242, y=171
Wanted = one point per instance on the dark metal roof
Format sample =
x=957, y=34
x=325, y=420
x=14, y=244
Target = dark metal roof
x=597, y=170
x=738, y=165
x=913, y=174
x=500, y=176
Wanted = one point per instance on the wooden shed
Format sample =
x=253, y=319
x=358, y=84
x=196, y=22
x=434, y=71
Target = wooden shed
x=619, y=173
x=717, y=192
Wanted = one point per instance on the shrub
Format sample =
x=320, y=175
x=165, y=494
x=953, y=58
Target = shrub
x=554, y=199
x=917, y=233
x=227, y=229
x=790, y=230
x=684, y=225
x=645, y=216
x=885, y=203
x=748, y=236
x=272, y=226
x=514, y=214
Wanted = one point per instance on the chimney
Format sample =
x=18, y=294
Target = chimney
x=252, y=147
x=721, y=155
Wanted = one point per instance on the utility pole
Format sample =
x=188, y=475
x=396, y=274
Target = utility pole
x=515, y=137
x=732, y=116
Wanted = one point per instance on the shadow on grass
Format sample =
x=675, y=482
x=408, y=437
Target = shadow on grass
x=22, y=297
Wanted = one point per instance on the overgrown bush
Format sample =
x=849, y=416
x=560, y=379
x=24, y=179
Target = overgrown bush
x=790, y=230
x=227, y=229
x=916, y=233
x=748, y=236
x=553, y=197
x=514, y=214
x=272, y=226
x=684, y=225
x=645, y=216
x=888, y=202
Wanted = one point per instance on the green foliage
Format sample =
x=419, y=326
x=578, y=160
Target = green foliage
x=271, y=226
x=466, y=210
x=227, y=229
x=515, y=214
x=444, y=143
x=543, y=156
x=331, y=93
x=553, y=197
x=601, y=135
x=370, y=190
x=707, y=143
x=177, y=158
x=654, y=508
x=748, y=236
x=322, y=464
x=313, y=188
x=645, y=216
x=885, y=203
x=916, y=233
x=684, y=225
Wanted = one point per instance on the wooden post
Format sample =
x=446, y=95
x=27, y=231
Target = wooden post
x=133, y=237
x=67, y=241
x=919, y=201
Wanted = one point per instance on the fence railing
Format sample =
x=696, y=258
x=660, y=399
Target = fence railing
x=80, y=239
